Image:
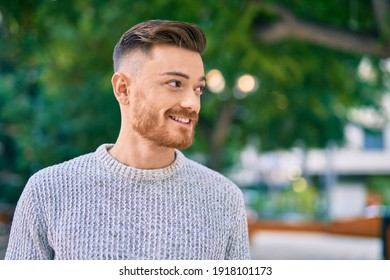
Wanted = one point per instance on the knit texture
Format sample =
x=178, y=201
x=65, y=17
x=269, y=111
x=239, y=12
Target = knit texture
x=94, y=207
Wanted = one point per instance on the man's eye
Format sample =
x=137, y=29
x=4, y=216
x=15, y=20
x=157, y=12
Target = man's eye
x=200, y=89
x=175, y=84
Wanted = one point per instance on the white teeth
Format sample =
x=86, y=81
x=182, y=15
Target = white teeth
x=183, y=120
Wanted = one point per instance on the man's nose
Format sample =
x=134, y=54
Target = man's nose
x=191, y=101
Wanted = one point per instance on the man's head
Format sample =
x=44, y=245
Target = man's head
x=144, y=35
x=158, y=80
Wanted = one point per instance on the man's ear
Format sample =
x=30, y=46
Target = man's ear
x=120, y=85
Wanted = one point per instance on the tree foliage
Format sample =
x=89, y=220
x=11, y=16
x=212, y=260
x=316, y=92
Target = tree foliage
x=56, y=100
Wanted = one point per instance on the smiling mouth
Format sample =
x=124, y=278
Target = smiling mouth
x=180, y=119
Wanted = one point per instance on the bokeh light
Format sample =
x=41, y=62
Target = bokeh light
x=299, y=185
x=246, y=83
x=215, y=81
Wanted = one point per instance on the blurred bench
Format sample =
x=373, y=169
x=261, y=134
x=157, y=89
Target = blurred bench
x=378, y=227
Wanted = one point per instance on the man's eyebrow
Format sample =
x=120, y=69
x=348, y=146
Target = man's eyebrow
x=181, y=74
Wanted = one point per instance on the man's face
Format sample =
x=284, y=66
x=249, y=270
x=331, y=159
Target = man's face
x=165, y=96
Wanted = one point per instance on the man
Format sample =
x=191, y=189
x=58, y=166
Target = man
x=140, y=198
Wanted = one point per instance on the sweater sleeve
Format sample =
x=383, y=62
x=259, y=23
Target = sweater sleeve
x=28, y=238
x=238, y=245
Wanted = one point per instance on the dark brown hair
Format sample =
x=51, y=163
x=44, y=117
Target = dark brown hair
x=145, y=34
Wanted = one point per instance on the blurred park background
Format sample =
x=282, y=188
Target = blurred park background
x=296, y=112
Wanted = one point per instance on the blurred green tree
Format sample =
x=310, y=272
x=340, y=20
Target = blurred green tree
x=55, y=67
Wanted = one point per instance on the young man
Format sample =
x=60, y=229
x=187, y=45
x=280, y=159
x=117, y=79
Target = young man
x=140, y=198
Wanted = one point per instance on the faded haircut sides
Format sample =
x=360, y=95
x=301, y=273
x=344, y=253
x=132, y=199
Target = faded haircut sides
x=146, y=34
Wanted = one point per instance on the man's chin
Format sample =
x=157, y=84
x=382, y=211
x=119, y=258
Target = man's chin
x=182, y=147
x=178, y=145
x=180, y=142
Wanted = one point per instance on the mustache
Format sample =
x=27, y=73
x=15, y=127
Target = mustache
x=183, y=113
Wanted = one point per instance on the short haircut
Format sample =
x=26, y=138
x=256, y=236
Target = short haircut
x=146, y=34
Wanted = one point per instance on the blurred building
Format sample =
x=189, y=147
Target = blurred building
x=366, y=154
x=342, y=173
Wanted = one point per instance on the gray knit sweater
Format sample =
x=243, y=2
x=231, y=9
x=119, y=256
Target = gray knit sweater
x=94, y=207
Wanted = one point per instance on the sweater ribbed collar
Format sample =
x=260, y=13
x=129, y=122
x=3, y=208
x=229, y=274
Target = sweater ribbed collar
x=132, y=173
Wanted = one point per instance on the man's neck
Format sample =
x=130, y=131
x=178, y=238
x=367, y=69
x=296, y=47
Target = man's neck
x=141, y=154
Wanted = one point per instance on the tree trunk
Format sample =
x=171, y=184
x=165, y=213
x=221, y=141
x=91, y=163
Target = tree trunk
x=220, y=134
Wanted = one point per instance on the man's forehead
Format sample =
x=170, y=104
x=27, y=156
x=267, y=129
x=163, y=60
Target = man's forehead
x=175, y=59
x=171, y=50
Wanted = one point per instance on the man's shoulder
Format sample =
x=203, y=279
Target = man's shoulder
x=71, y=167
x=202, y=172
